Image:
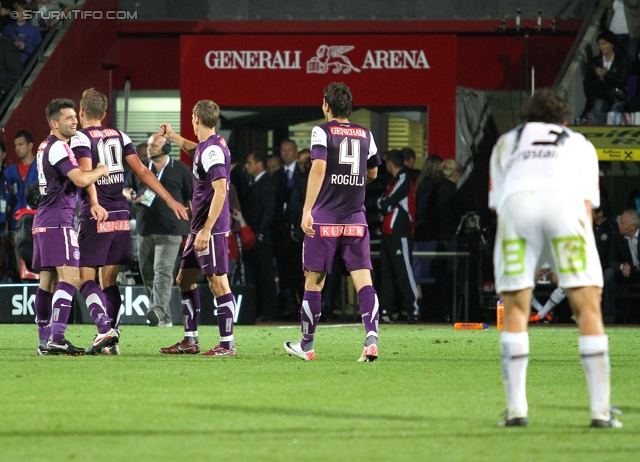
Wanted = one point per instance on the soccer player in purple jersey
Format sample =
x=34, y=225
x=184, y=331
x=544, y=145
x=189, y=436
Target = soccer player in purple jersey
x=206, y=247
x=104, y=236
x=344, y=158
x=55, y=242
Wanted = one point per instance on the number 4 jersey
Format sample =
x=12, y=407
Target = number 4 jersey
x=110, y=147
x=349, y=151
x=544, y=157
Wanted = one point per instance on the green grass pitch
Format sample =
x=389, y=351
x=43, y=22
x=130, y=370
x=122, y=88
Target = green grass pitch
x=435, y=394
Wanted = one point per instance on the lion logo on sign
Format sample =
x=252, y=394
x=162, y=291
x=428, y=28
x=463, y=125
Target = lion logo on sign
x=331, y=57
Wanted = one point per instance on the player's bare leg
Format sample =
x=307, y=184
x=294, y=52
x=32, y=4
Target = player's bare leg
x=593, y=345
x=514, y=346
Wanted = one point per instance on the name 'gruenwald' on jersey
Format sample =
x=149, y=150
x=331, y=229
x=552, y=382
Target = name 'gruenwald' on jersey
x=538, y=156
x=109, y=147
x=58, y=193
x=349, y=151
x=211, y=162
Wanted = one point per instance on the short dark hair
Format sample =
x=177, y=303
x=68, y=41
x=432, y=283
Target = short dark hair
x=94, y=104
x=208, y=112
x=290, y=141
x=395, y=157
x=28, y=137
x=338, y=96
x=608, y=36
x=3, y=146
x=547, y=105
x=408, y=154
x=57, y=105
x=258, y=157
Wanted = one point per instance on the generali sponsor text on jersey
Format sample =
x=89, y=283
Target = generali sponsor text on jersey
x=327, y=58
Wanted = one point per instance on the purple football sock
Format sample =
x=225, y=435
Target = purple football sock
x=226, y=309
x=309, y=316
x=190, y=314
x=370, y=313
x=113, y=303
x=42, y=307
x=61, y=308
x=96, y=304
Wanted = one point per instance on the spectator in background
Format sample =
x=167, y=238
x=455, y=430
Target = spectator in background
x=396, y=245
x=409, y=156
x=259, y=213
x=623, y=19
x=605, y=77
x=142, y=152
x=239, y=177
x=241, y=239
x=274, y=164
x=24, y=35
x=21, y=174
x=10, y=66
x=426, y=193
x=50, y=10
x=448, y=203
x=604, y=230
x=159, y=230
x=4, y=192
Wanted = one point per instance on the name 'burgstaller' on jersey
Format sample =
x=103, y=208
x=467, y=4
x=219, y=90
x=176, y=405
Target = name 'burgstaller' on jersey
x=349, y=151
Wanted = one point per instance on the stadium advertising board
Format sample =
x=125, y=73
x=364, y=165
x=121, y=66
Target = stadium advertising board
x=17, y=305
x=619, y=143
x=286, y=70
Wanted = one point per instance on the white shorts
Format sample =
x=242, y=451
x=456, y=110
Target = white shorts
x=536, y=227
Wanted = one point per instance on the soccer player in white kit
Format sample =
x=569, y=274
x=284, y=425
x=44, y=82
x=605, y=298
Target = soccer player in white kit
x=544, y=183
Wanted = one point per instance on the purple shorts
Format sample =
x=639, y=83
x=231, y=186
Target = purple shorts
x=53, y=247
x=213, y=260
x=349, y=242
x=106, y=243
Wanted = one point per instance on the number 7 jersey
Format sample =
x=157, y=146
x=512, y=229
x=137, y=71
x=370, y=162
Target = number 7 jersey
x=349, y=151
x=110, y=147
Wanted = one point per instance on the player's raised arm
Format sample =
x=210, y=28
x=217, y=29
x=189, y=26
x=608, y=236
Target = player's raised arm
x=187, y=146
x=149, y=179
x=316, y=178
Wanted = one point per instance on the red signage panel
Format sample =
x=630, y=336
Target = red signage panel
x=292, y=70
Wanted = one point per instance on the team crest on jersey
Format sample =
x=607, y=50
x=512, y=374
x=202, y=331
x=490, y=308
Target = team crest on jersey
x=331, y=57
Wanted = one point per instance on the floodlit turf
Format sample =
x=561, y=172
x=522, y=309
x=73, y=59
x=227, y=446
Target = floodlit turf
x=435, y=394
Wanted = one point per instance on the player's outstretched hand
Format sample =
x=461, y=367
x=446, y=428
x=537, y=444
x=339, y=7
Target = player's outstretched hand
x=180, y=210
x=307, y=224
x=99, y=213
x=201, y=241
x=165, y=130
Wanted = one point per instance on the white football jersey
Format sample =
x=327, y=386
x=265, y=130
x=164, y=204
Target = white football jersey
x=539, y=156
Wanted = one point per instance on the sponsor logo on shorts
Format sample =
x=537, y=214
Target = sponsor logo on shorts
x=337, y=231
x=111, y=226
x=38, y=230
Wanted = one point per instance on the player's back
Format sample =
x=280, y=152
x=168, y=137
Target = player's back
x=58, y=193
x=110, y=147
x=540, y=156
x=211, y=162
x=349, y=151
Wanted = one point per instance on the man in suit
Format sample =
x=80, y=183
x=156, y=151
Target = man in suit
x=624, y=265
x=288, y=252
x=259, y=214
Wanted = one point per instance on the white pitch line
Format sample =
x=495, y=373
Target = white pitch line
x=332, y=326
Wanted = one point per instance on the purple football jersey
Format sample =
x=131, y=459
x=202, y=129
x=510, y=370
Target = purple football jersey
x=349, y=151
x=58, y=193
x=110, y=147
x=210, y=162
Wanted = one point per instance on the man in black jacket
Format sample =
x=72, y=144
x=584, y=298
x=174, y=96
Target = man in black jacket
x=396, y=243
x=10, y=66
x=259, y=213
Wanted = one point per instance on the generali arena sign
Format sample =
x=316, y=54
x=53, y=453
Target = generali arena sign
x=292, y=70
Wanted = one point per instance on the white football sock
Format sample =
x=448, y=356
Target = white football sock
x=535, y=304
x=556, y=297
x=515, y=358
x=594, y=356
